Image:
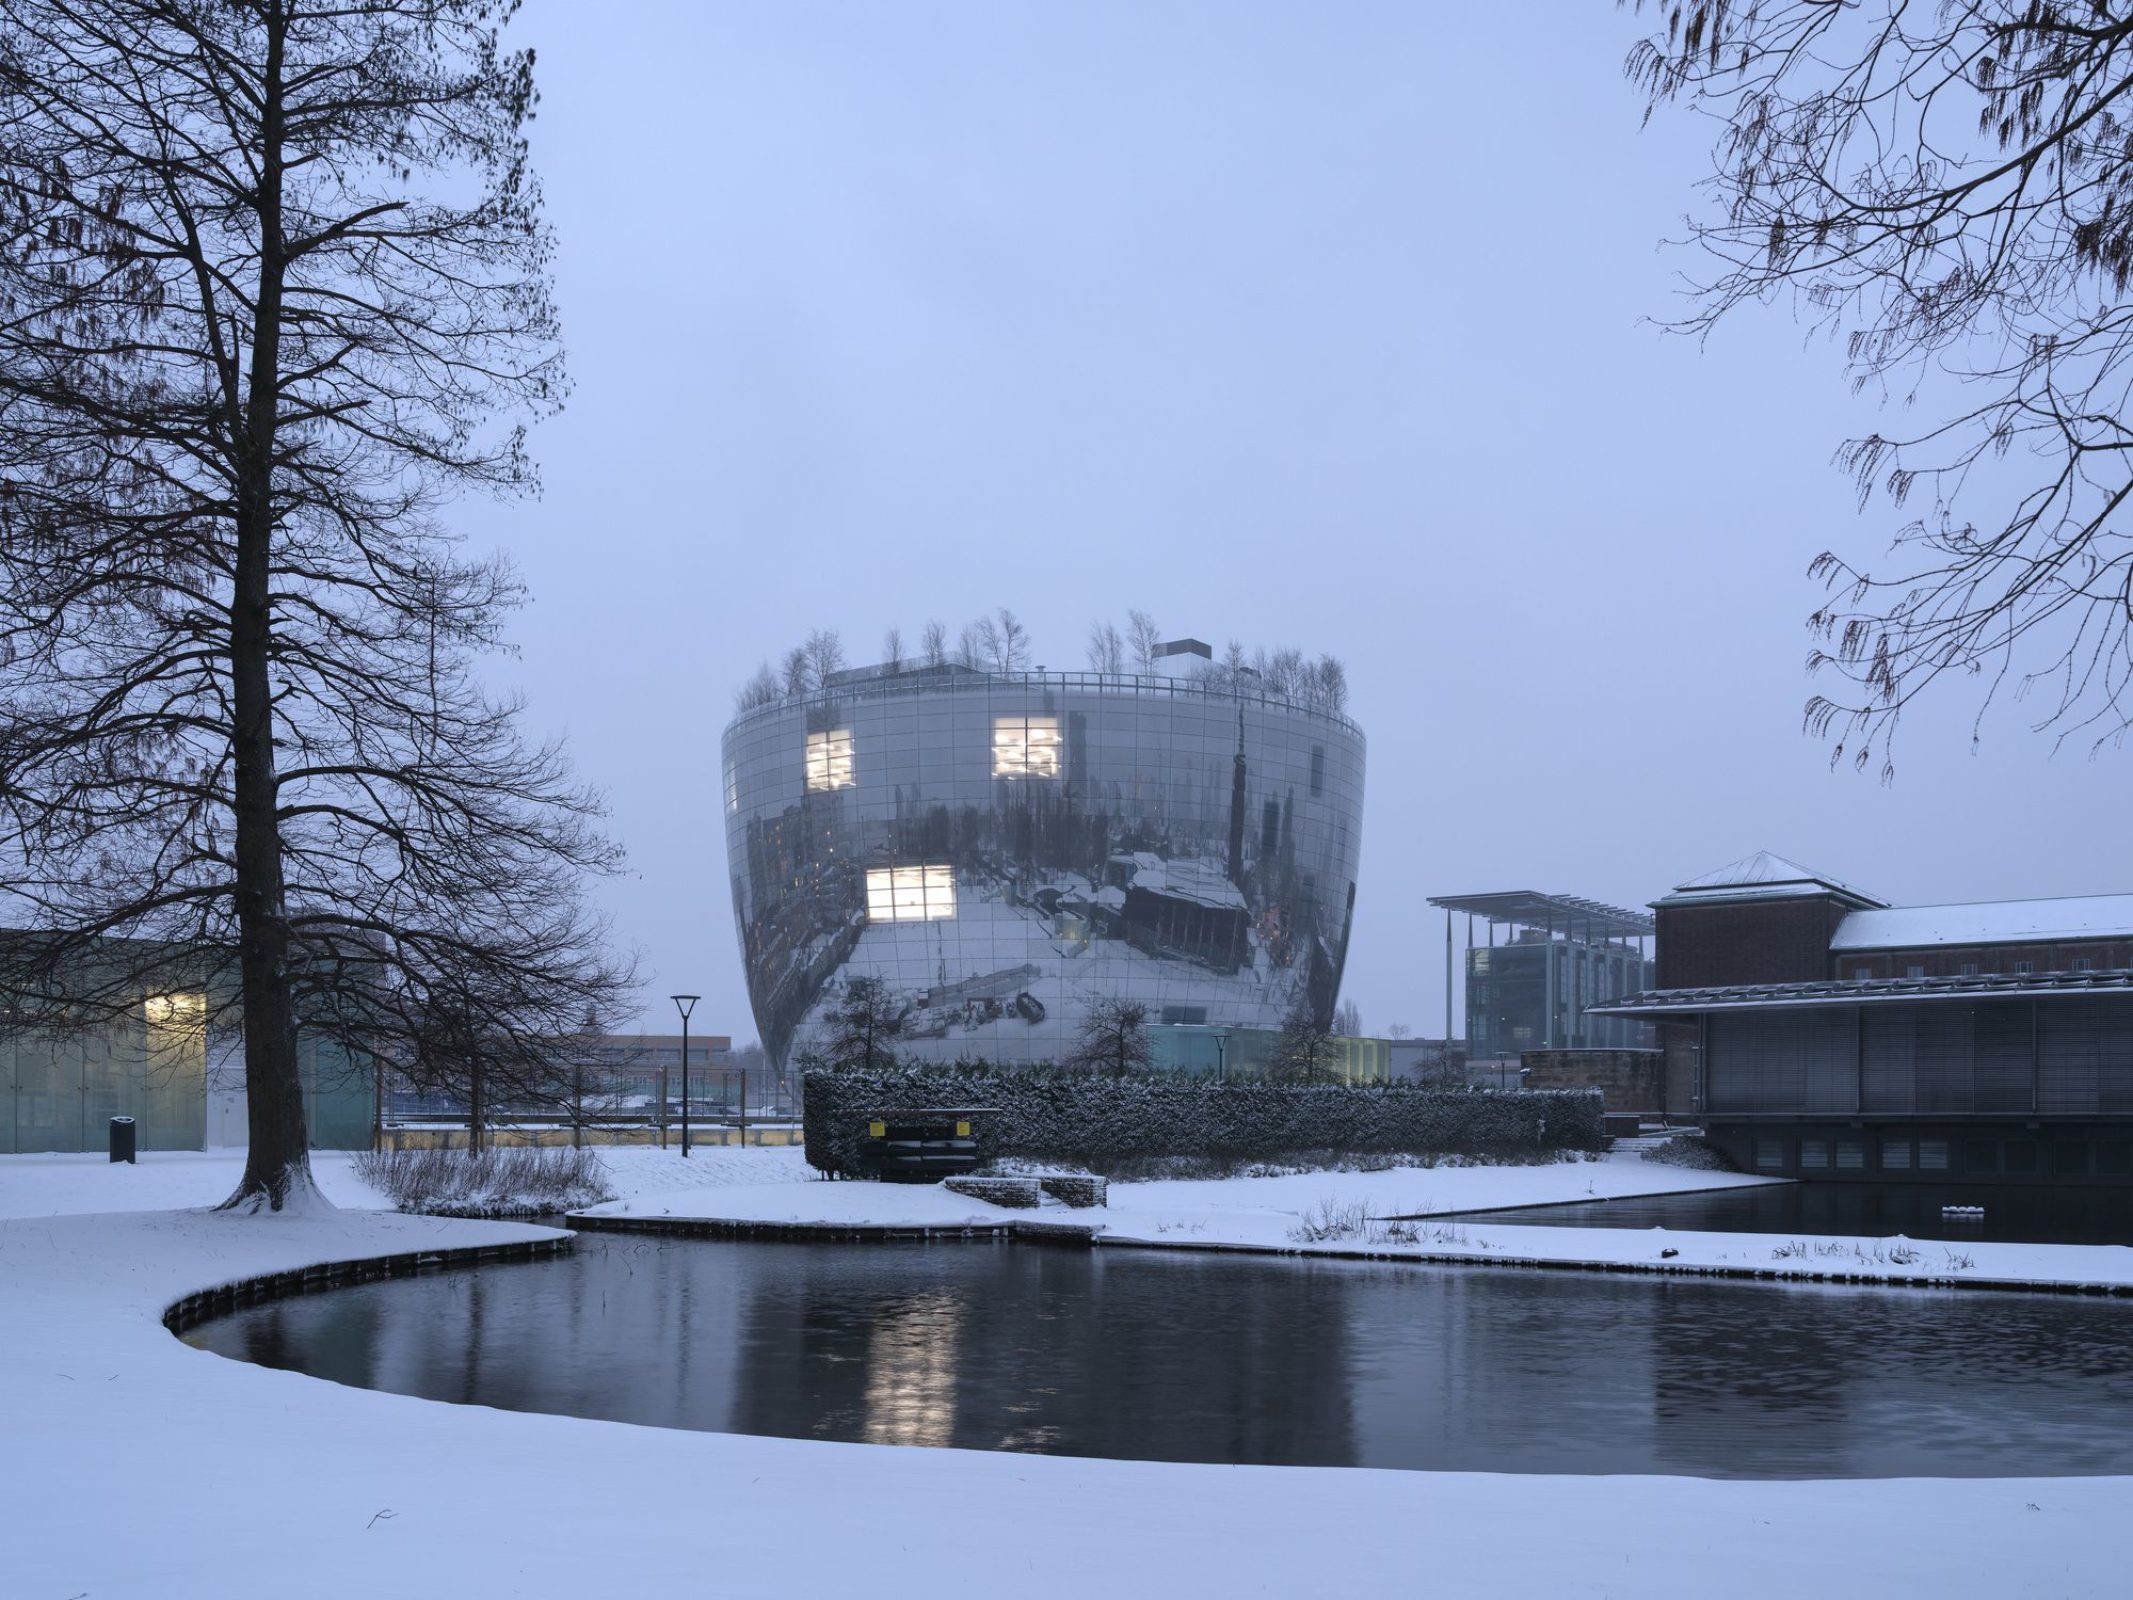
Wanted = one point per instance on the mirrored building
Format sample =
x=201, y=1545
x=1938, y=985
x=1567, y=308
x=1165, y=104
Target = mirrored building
x=1004, y=849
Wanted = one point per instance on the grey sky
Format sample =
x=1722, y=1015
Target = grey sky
x=1293, y=324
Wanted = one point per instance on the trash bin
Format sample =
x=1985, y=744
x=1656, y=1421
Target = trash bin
x=122, y=1139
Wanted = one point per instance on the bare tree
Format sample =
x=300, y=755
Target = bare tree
x=933, y=643
x=1283, y=671
x=1399, y=1030
x=1107, y=650
x=892, y=649
x=273, y=289
x=1307, y=1051
x=1114, y=1038
x=973, y=647
x=1327, y=685
x=1143, y=637
x=1946, y=188
x=1006, y=642
x=825, y=656
x=863, y=1027
x=760, y=690
x=1348, y=1019
x=799, y=672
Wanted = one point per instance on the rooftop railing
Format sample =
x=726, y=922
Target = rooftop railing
x=880, y=683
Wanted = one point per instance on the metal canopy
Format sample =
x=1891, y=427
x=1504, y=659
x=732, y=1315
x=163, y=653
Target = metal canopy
x=1528, y=908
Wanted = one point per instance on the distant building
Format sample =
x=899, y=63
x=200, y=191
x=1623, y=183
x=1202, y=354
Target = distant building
x=1561, y=956
x=160, y=1046
x=1822, y=1033
x=1000, y=852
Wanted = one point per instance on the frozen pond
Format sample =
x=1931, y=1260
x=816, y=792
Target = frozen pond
x=1183, y=1357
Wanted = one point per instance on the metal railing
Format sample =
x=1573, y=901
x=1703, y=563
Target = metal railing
x=876, y=684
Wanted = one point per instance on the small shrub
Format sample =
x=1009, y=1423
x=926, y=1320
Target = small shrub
x=1690, y=1150
x=1331, y=1220
x=515, y=1182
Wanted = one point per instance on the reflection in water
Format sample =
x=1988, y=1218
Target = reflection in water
x=2043, y=1214
x=1231, y=1359
x=910, y=1363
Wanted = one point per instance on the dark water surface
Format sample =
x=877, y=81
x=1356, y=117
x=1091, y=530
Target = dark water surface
x=1179, y=1357
x=2045, y=1214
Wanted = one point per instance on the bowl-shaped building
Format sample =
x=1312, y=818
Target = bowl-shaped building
x=1004, y=850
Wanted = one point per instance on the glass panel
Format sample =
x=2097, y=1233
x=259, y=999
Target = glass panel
x=1025, y=747
x=910, y=894
x=829, y=759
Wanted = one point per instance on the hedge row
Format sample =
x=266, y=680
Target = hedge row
x=1097, y=1120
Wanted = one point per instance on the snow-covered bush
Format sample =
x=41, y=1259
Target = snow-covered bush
x=515, y=1182
x=1691, y=1151
x=1107, y=1123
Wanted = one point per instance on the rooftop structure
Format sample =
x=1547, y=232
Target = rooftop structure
x=1570, y=915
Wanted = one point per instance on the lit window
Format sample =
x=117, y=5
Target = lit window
x=1025, y=747
x=829, y=759
x=910, y=894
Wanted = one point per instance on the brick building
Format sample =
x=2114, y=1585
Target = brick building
x=1820, y=1032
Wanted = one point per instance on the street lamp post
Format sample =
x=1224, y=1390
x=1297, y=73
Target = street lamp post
x=685, y=1003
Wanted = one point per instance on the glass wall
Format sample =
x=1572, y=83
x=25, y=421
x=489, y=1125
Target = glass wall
x=1002, y=850
x=150, y=1064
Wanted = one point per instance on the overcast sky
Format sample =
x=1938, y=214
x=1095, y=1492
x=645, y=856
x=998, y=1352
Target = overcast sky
x=1286, y=323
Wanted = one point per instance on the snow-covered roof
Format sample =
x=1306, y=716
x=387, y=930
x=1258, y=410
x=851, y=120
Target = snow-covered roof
x=1764, y=876
x=1202, y=882
x=2091, y=916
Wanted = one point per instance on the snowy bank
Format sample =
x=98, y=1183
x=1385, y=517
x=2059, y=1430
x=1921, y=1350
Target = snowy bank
x=1401, y=1214
x=142, y=1467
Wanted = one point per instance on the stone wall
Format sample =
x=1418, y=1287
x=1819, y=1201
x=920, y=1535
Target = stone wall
x=1628, y=1080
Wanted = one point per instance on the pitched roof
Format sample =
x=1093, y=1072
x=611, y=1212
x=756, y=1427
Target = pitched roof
x=1764, y=876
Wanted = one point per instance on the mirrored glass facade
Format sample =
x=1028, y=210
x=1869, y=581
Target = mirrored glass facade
x=1001, y=850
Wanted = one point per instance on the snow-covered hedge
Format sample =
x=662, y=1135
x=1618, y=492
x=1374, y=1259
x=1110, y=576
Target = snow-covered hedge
x=1100, y=1121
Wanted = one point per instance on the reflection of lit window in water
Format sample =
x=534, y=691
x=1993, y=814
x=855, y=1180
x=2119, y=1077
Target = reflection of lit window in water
x=829, y=759
x=911, y=1371
x=910, y=894
x=1025, y=747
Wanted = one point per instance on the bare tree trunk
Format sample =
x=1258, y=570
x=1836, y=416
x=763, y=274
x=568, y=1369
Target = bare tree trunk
x=278, y=1160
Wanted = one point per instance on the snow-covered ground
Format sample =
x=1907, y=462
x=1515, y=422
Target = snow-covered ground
x=1275, y=1203
x=63, y=1185
x=1279, y=1213
x=136, y=1465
